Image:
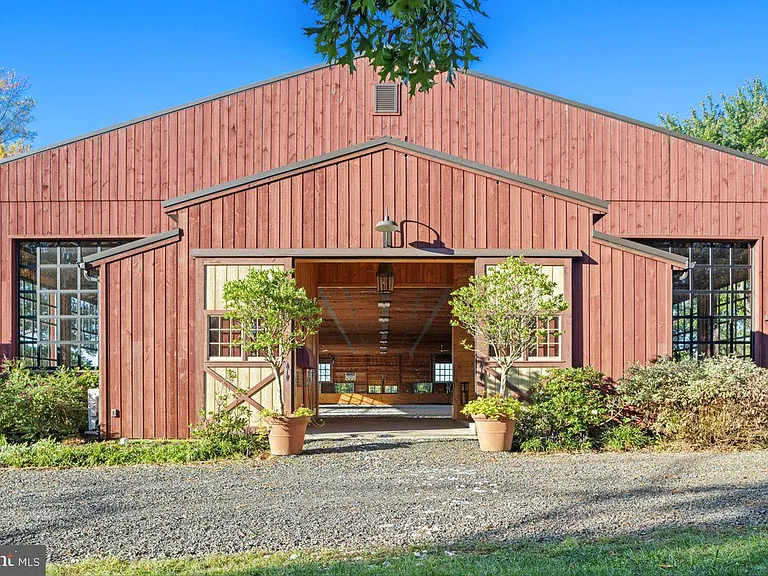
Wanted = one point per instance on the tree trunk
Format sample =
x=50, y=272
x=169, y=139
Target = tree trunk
x=279, y=384
x=503, y=380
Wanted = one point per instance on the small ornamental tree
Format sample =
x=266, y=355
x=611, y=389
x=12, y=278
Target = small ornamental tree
x=274, y=316
x=507, y=309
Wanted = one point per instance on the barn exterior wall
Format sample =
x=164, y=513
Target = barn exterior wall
x=110, y=185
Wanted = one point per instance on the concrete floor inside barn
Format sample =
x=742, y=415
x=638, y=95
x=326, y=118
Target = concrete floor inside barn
x=343, y=428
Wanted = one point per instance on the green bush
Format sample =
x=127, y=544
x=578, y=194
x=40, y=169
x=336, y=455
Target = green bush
x=49, y=453
x=229, y=428
x=719, y=401
x=567, y=410
x=36, y=405
x=625, y=436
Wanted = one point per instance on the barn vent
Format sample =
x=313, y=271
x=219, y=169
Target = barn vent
x=385, y=99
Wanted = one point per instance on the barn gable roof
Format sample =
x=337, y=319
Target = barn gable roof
x=384, y=142
x=316, y=67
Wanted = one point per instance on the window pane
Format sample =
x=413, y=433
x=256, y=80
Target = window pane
x=700, y=253
x=721, y=278
x=89, y=329
x=49, y=278
x=700, y=278
x=47, y=254
x=89, y=303
x=69, y=255
x=69, y=276
x=741, y=254
x=740, y=279
x=721, y=254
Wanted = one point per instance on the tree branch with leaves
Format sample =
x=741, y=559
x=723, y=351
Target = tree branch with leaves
x=409, y=40
x=738, y=121
x=274, y=315
x=507, y=311
x=15, y=113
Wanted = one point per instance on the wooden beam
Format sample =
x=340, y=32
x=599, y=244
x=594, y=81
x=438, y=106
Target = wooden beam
x=332, y=312
x=435, y=311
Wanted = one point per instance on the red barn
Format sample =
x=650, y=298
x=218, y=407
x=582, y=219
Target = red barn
x=115, y=245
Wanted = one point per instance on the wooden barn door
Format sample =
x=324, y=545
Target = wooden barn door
x=525, y=373
x=230, y=377
x=463, y=359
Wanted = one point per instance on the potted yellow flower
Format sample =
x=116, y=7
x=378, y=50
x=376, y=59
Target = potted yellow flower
x=494, y=418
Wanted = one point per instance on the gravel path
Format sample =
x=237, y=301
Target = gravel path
x=390, y=493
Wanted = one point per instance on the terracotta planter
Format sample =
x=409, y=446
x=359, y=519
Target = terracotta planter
x=494, y=435
x=286, y=434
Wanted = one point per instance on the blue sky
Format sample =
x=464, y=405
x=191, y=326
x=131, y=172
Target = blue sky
x=93, y=64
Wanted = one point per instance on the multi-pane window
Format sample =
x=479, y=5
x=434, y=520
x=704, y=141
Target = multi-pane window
x=443, y=372
x=324, y=372
x=712, y=299
x=548, y=345
x=374, y=388
x=390, y=389
x=58, y=304
x=222, y=335
x=344, y=387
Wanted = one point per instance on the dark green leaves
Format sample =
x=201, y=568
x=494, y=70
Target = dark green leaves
x=408, y=40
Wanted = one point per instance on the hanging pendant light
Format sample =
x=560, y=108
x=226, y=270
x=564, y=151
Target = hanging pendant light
x=385, y=278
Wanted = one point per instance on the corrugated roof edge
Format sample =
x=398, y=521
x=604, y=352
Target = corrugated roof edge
x=488, y=77
x=676, y=259
x=130, y=246
x=395, y=143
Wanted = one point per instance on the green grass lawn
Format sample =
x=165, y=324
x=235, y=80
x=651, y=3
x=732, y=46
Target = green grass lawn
x=743, y=552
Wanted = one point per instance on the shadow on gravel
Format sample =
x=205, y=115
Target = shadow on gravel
x=362, y=447
x=709, y=509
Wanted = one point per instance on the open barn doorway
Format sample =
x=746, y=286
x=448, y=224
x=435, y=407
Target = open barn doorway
x=386, y=347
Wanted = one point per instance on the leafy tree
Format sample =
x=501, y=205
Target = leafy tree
x=408, y=40
x=274, y=315
x=15, y=113
x=506, y=310
x=738, y=121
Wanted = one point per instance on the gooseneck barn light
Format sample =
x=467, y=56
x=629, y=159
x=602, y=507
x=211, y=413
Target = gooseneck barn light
x=386, y=227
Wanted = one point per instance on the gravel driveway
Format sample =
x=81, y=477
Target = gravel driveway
x=390, y=493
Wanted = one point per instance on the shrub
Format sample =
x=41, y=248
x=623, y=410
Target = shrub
x=719, y=401
x=35, y=405
x=49, y=453
x=229, y=428
x=568, y=407
x=625, y=436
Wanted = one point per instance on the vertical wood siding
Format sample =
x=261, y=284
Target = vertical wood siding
x=110, y=186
